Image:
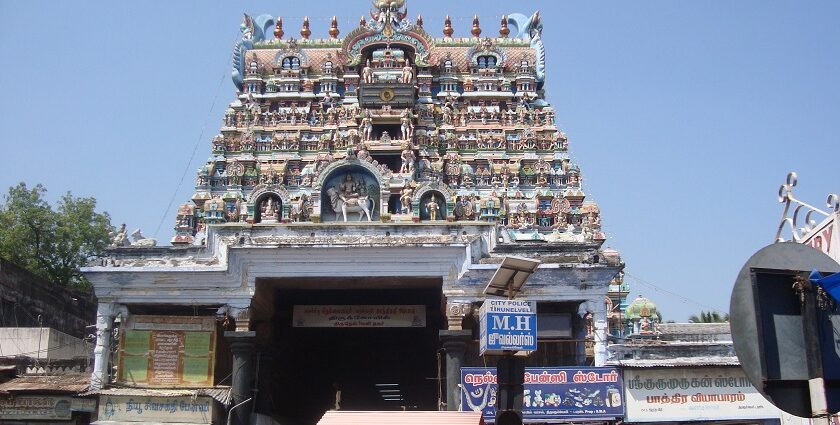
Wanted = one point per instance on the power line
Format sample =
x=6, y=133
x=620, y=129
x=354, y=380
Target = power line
x=192, y=155
x=674, y=294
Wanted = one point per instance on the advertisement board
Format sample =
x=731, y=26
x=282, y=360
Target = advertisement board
x=689, y=394
x=359, y=316
x=167, y=351
x=43, y=407
x=550, y=393
x=140, y=409
x=507, y=325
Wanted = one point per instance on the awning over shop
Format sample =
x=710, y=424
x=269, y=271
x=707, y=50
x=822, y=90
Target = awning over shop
x=55, y=384
x=337, y=417
x=220, y=394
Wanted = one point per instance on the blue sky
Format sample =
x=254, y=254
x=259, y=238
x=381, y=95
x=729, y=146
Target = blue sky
x=684, y=116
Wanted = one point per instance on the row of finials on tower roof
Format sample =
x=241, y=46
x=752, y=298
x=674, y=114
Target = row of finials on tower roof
x=448, y=30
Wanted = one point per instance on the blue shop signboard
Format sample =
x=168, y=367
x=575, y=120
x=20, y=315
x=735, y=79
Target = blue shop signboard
x=507, y=325
x=550, y=393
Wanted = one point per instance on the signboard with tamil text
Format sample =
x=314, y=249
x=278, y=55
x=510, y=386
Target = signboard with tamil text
x=693, y=394
x=140, y=409
x=507, y=325
x=560, y=393
x=359, y=316
x=168, y=351
x=43, y=407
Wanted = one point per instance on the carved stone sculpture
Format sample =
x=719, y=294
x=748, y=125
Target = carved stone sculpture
x=350, y=196
x=433, y=209
x=140, y=240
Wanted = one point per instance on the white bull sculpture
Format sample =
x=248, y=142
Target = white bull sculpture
x=361, y=204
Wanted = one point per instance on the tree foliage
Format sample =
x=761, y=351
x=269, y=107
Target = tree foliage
x=709, y=317
x=52, y=242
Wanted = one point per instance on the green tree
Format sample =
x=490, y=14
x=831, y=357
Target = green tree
x=52, y=243
x=709, y=317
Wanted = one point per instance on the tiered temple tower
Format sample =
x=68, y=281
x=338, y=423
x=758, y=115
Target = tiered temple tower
x=426, y=128
x=385, y=171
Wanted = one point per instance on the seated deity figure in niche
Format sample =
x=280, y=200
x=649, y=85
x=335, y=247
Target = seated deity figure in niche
x=348, y=188
x=350, y=195
x=433, y=209
x=269, y=211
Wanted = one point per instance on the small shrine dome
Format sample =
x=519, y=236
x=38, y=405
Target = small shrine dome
x=641, y=307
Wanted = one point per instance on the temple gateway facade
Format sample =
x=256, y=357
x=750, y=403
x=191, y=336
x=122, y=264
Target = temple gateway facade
x=360, y=194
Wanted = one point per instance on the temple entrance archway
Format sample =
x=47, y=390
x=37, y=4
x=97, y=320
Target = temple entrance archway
x=377, y=366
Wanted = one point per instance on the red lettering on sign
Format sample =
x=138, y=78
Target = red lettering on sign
x=817, y=242
x=827, y=234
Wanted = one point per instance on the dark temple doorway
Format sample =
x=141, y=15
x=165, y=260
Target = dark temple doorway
x=375, y=368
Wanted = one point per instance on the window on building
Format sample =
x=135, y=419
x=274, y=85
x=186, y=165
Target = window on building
x=554, y=325
x=291, y=62
x=486, y=62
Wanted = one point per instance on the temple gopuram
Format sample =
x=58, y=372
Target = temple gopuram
x=360, y=194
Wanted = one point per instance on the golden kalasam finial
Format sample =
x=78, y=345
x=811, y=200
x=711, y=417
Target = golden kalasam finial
x=447, y=27
x=304, y=30
x=278, y=29
x=504, y=31
x=476, y=30
x=420, y=21
x=362, y=22
x=334, y=28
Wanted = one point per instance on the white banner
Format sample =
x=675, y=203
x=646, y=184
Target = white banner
x=130, y=409
x=691, y=394
x=359, y=316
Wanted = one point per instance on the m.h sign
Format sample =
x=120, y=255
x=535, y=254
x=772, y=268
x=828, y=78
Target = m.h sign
x=507, y=325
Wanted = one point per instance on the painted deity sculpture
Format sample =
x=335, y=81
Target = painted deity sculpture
x=350, y=196
x=433, y=208
x=405, y=200
x=269, y=211
x=407, y=157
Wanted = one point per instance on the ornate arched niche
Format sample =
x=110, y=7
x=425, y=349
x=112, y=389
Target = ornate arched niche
x=350, y=179
x=444, y=198
x=258, y=203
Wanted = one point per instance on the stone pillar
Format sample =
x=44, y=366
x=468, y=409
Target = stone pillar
x=599, y=321
x=101, y=354
x=454, y=343
x=242, y=385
